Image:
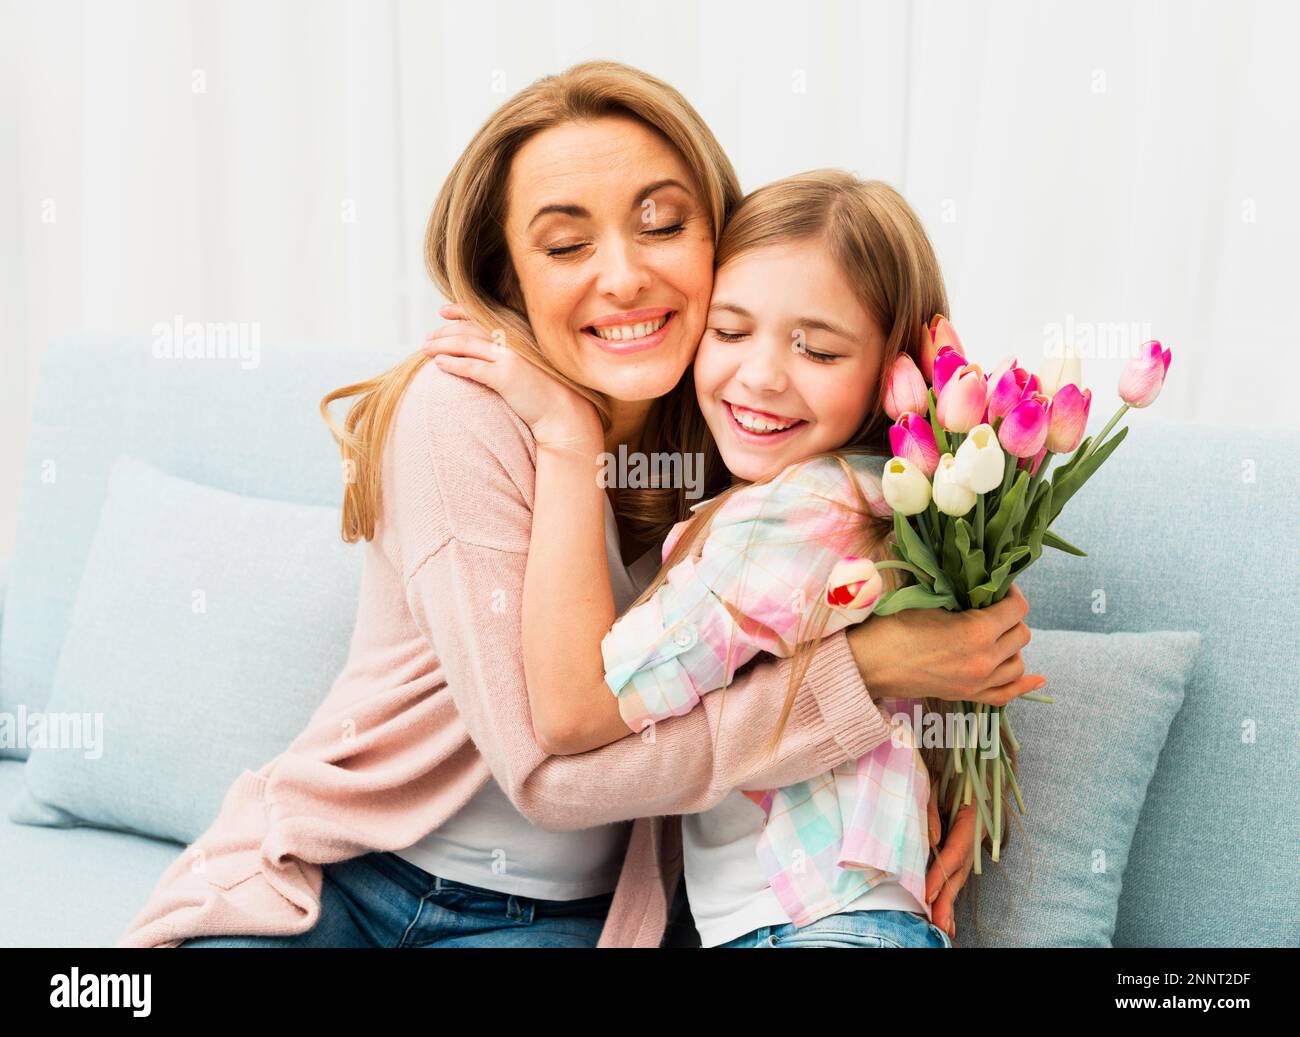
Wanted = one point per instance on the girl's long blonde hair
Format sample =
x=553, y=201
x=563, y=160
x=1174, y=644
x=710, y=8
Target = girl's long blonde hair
x=878, y=242
x=466, y=254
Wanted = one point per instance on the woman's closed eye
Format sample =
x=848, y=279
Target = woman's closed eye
x=658, y=232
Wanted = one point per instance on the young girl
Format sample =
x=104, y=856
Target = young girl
x=822, y=281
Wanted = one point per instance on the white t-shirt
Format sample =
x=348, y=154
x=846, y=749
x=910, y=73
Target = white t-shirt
x=725, y=887
x=490, y=844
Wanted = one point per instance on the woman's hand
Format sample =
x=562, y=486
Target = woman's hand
x=971, y=656
x=556, y=414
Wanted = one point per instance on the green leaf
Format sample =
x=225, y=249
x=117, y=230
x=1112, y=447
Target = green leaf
x=1036, y=521
x=951, y=557
x=1007, y=571
x=914, y=597
x=1081, y=473
x=1000, y=579
x=917, y=553
x=1079, y=452
x=1009, y=512
x=972, y=566
x=1051, y=539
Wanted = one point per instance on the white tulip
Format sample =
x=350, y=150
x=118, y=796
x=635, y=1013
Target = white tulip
x=1059, y=370
x=905, y=486
x=980, y=463
x=950, y=496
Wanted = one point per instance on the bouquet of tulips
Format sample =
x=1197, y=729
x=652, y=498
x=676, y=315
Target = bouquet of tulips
x=973, y=505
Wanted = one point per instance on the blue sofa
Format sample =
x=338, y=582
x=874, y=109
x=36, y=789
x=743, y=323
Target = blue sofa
x=1190, y=527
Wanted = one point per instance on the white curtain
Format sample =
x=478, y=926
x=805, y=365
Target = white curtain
x=1094, y=172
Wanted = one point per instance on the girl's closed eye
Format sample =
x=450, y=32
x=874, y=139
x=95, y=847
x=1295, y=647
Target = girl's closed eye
x=728, y=336
x=812, y=354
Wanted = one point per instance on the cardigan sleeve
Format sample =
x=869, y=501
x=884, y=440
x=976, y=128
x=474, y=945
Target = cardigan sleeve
x=751, y=587
x=458, y=495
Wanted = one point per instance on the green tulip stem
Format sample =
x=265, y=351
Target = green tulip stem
x=997, y=807
x=979, y=521
x=923, y=527
x=1007, y=476
x=894, y=564
x=1005, y=724
x=1010, y=773
x=976, y=773
x=1092, y=449
x=946, y=777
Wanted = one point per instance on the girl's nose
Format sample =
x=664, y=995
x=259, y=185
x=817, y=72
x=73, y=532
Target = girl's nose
x=764, y=367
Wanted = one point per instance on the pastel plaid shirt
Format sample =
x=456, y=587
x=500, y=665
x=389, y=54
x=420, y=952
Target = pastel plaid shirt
x=747, y=589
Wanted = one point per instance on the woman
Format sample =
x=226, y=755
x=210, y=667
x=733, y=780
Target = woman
x=584, y=200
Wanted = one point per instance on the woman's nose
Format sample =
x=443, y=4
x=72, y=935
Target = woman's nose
x=623, y=275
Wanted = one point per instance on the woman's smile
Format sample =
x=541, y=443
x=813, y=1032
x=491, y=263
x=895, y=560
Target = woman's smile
x=632, y=332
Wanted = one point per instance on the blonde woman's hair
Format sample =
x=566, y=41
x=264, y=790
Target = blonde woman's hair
x=466, y=254
x=879, y=244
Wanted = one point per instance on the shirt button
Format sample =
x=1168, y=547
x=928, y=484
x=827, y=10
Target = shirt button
x=684, y=637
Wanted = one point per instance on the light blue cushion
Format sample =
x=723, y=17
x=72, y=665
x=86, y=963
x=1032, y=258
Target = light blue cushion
x=77, y=887
x=207, y=628
x=251, y=430
x=1084, y=767
x=1193, y=528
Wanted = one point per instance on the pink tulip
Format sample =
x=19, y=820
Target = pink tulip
x=1004, y=365
x=1144, y=375
x=1067, y=417
x=961, y=404
x=939, y=334
x=1024, y=429
x=1012, y=386
x=905, y=390
x=946, y=365
x=912, y=438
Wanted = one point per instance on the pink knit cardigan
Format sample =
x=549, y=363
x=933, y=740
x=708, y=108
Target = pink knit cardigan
x=432, y=700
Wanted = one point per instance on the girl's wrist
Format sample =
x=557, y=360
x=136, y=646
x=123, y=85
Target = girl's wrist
x=577, y=430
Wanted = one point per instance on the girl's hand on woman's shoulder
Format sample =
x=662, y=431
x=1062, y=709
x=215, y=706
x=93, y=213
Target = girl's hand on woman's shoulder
x=556, y=414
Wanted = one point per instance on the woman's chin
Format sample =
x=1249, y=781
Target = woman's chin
x=636, y=382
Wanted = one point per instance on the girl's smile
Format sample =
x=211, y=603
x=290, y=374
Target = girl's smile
x=761, y=426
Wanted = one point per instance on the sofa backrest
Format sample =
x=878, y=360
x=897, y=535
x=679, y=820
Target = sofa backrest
x=249, y=425
x=1193, y=528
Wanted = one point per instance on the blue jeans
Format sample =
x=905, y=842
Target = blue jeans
x=850, y=929
x=382, y=900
